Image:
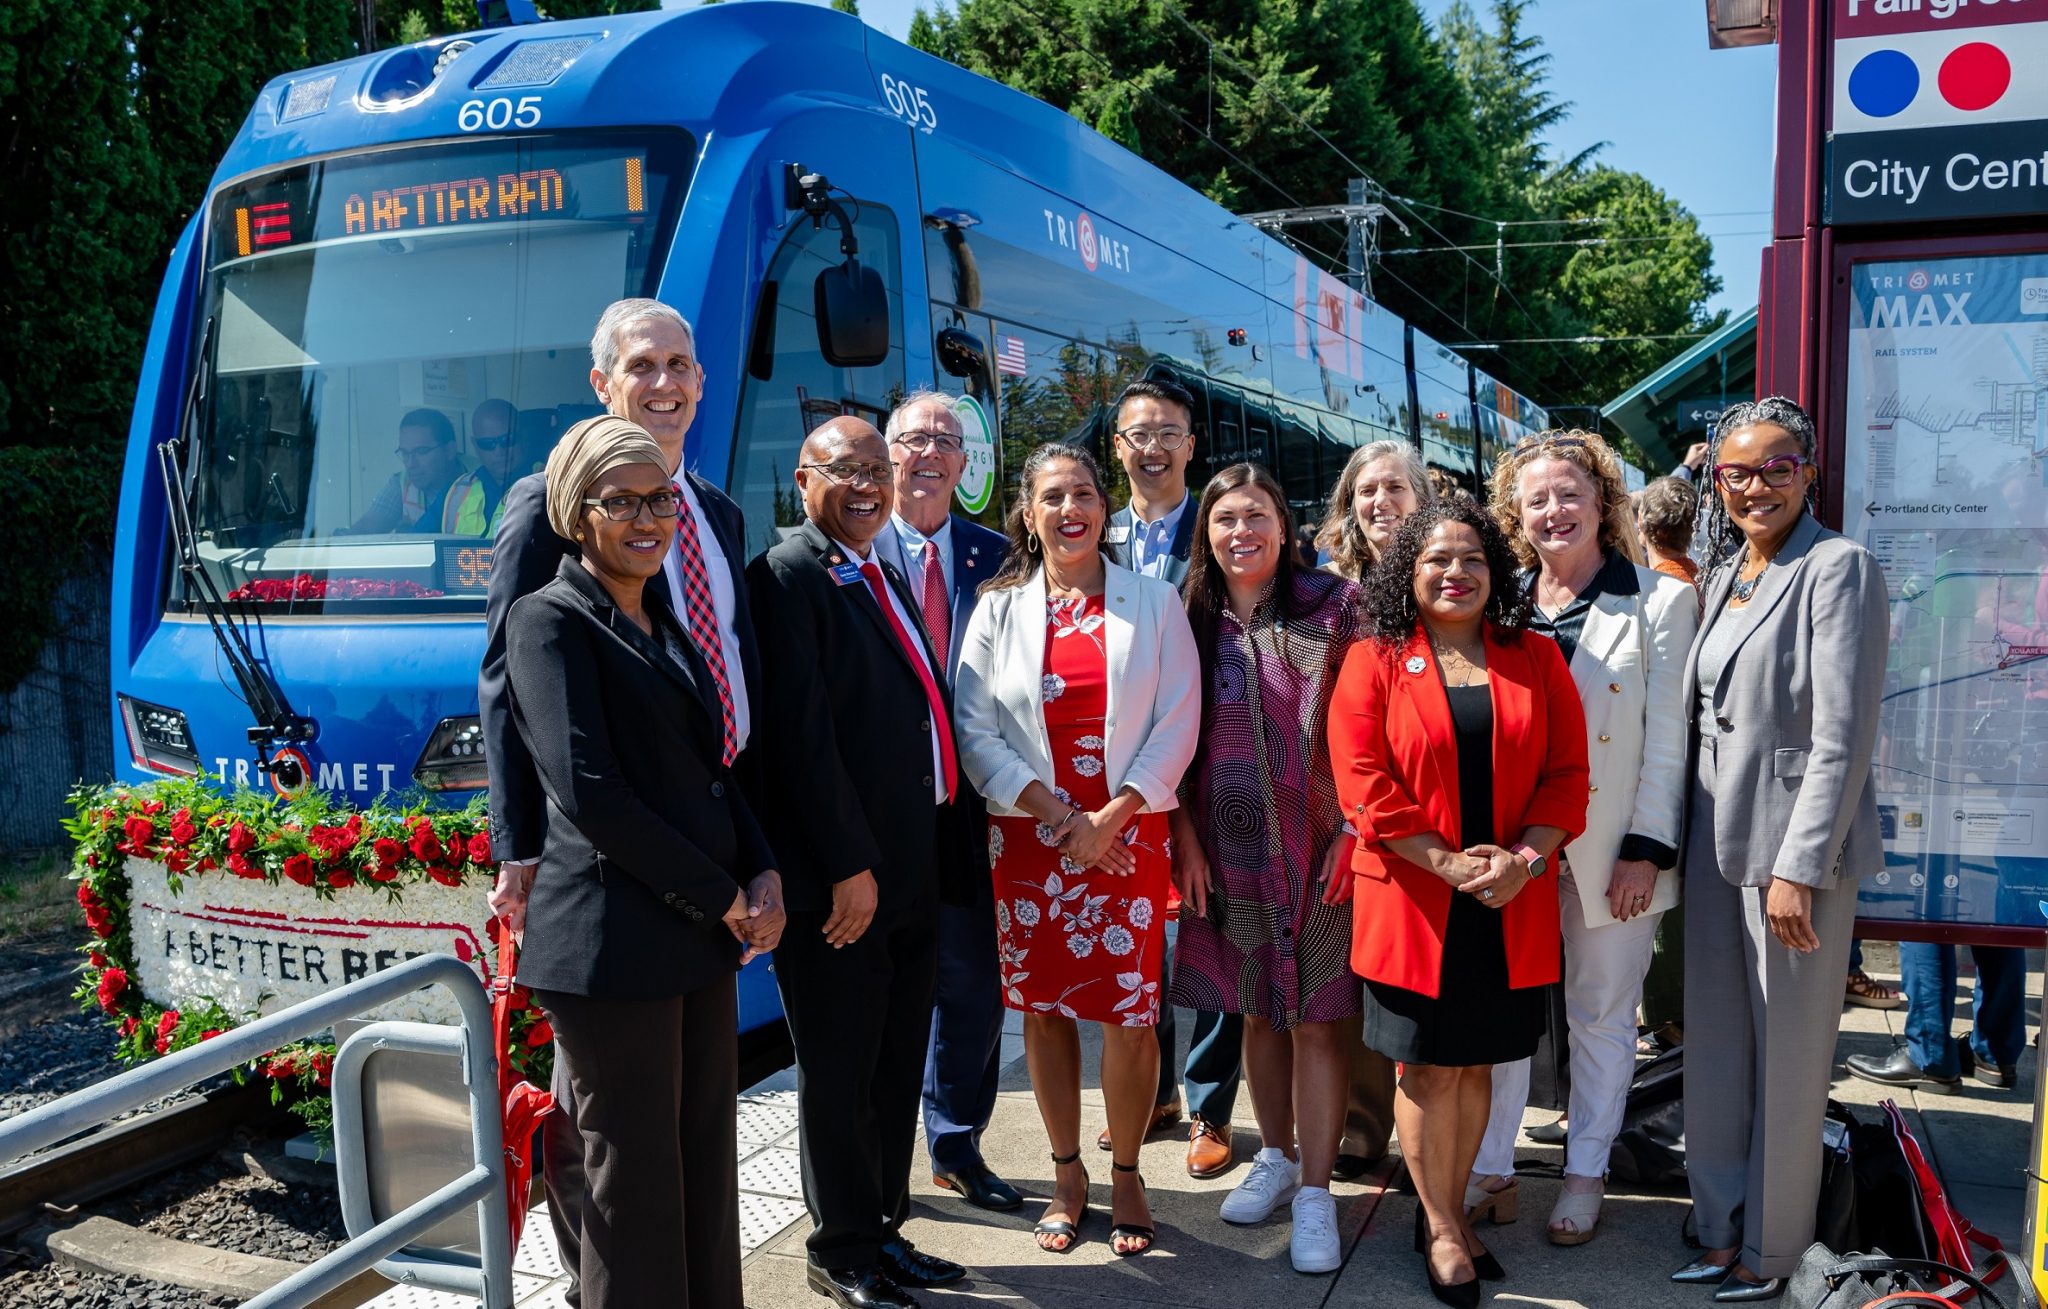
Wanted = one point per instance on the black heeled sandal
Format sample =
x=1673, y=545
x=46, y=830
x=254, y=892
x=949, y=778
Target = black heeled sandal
x=1483, y=1263
x=1131, y=1231
x=1060, y=1227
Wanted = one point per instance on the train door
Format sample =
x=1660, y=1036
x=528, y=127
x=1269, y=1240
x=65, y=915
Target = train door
x=790, y=384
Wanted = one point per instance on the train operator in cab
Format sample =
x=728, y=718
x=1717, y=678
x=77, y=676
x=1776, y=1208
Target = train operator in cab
x=475, y=504
x=429, y=464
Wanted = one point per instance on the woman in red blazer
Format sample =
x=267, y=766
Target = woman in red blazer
x=1452, y=732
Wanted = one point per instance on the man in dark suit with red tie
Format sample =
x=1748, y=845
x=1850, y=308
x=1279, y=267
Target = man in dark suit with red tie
x=857, y=774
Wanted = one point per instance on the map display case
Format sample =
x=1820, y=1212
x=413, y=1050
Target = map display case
x=1943, y=468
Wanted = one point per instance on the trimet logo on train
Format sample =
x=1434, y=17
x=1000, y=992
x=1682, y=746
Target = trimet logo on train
x=1080, y=235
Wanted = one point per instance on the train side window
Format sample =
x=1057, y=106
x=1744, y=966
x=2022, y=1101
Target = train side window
x=790, y=389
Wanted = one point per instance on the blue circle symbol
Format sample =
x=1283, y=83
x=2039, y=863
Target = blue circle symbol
x=1883, y=83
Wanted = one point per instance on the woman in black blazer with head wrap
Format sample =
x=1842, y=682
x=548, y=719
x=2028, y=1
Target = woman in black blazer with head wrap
x=638, y=918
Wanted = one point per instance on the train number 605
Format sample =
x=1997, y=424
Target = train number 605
x=499, y=113
x=909, y=103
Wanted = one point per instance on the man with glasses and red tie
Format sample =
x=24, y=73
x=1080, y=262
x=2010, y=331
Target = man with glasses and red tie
x=1155, y=438
x=644, y=369
x=858, y=775
x=945, y=558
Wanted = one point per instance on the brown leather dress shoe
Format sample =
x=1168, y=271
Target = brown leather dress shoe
x=1208, y=1148
x=1163, y=1117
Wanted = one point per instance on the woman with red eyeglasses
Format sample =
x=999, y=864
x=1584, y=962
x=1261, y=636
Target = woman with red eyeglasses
x=1783, y=687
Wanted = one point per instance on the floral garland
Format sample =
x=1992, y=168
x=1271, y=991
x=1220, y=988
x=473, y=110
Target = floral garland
x=311, y=840
x=305, y=586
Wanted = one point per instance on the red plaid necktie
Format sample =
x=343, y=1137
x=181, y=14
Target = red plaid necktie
x=938, y=606
x=703, y=622
x=932, y=698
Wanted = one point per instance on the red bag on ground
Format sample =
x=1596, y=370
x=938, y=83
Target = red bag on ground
x=1952, y=1234
x=525, y=1104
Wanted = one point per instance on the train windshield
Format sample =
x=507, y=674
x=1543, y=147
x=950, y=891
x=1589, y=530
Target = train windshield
x=393, y=340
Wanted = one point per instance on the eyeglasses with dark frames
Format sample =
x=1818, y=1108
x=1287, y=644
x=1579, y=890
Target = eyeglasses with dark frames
x=920, y=441
x=1777, y=473
x=851, y=474
x=626, y=508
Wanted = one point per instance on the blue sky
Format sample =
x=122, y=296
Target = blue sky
x=1696, y=122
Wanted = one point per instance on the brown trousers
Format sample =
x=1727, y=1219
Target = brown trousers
x=654, y=1084
x=1369, y=1116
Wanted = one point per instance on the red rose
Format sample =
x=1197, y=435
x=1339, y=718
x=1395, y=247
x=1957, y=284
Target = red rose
x=480, y=848
x=152, y=806
x=86, y=899
x=323, y=1067
x=218, y=820
x=240, y=866
x=426, y=847
x=166, y=1028
x=299, y=869
x=128, y=1025
x=176, y=861
x=445, y=876
x=112, y=982
x=140, y=833
x=458, y=849
x=98, y=960
x=209, y=1034
x=338, y=877
x=100, y=921
x=182, y=830
x=240, y=839
x=539, y=1035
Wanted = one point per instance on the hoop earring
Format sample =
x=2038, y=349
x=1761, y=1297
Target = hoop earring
x=1030, y=543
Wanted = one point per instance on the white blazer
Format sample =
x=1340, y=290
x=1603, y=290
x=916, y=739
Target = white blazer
x=1155, y=700
x=1630, y=670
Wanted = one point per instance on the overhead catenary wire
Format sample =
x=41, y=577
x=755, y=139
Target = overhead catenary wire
x=1581, y=241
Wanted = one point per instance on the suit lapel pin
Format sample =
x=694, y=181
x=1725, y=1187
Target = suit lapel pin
x=1416, y=664
x=833, y=559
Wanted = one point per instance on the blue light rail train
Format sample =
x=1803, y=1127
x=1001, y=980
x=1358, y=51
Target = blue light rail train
x=436, y=228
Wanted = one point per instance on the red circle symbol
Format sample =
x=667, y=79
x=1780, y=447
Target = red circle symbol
x=1086, y=232
x=1974, y=76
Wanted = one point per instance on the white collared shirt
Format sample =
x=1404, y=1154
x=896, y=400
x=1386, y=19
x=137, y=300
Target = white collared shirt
x=1151, y=544
x=724, y=600
x=911, y=623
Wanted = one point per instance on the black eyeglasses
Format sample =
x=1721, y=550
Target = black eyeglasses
x=626, y=508
x=1777, y=473
x=849, y=474
x=919, y=442
x=491, y=443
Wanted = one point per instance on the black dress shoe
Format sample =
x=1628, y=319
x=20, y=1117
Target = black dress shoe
x=980, y=1188
x=1900, y=1070
x=858, y=1288
x=1350, y=1167
x=1989, y=1072
x=907, y=1265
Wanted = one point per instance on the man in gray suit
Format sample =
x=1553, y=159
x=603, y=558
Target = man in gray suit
x=1153, y=534
x=945, y=558
x=1784, y=685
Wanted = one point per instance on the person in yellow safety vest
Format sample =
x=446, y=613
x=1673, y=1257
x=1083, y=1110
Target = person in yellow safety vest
x=477, y=499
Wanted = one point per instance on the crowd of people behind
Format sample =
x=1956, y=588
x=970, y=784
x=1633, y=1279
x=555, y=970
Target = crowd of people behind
x=1395, y=804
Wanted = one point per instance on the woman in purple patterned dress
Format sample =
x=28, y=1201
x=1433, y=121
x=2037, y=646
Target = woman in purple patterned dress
x=1264, y=930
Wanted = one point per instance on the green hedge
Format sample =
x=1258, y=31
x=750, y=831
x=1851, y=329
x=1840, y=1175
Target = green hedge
x=56, y=511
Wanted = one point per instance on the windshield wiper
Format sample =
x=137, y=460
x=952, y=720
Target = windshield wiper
x=276, y=724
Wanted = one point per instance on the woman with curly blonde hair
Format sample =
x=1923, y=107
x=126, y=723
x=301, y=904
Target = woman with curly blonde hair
x=1625, y=631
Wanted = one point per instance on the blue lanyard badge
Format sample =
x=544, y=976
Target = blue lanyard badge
x=847, y=574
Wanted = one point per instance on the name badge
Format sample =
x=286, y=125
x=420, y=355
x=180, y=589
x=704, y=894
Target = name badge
x=1119, y=534
x=847, y=574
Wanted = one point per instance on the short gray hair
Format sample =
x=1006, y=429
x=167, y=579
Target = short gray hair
x=622, y=314
x=923, y=395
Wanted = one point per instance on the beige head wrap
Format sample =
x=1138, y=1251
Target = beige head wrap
x=587, y=452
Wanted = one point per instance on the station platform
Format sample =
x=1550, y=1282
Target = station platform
x=1978, y=1140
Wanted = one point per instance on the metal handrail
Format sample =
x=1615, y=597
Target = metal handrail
x=483, y=1186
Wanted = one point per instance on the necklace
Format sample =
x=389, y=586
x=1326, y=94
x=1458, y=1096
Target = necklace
x=1742, y=590
x=1449, y=658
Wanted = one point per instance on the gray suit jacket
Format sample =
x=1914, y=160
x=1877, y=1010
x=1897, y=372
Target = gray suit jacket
x=1123, y=520
x=1795, y=716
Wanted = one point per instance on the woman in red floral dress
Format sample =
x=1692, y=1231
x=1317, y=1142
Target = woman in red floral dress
x=1078, y=706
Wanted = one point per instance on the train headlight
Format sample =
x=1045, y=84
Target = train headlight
x=454, y=757
x=159, y=739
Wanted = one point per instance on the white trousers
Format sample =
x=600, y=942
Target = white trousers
x=1603, y=985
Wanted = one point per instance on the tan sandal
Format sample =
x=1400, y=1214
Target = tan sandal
x=1582, y=1210
x=1497, y=1207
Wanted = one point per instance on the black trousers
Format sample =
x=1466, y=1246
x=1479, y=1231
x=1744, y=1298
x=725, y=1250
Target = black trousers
x=859, y=1017
x=561, y=1172
x=654, y=1084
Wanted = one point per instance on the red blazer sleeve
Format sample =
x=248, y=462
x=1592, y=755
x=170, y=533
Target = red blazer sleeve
x=1559, y=799
x=1374, y=796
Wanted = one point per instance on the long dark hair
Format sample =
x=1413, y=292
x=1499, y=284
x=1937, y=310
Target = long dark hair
x=1204, y=590
x=1389, y=602
x=1024, y=559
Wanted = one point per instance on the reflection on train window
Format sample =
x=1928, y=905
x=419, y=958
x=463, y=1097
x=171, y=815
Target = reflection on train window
x=790, y=389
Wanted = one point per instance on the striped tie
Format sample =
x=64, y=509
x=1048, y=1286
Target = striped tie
x=703, y=622
x=937, y=605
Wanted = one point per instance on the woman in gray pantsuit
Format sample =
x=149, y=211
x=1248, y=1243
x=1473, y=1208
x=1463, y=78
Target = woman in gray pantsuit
x=1783, y=685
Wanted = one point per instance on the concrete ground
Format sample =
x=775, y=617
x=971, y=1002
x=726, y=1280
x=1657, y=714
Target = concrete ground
x=1979, y=1140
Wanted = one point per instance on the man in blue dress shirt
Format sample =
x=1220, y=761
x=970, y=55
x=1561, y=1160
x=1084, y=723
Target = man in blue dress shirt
x=945, y=558
x=1151, y=535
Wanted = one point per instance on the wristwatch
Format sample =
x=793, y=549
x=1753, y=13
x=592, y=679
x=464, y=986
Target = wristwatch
x=1537, y=862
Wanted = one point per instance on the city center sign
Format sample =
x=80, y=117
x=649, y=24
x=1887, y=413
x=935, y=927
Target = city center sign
x=1934, y=113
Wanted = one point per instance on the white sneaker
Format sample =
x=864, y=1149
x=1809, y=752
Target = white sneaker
x=1272, y=1182
x=1314, y=1246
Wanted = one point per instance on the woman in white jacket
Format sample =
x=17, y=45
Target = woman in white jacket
x=1625, y=631
x=1077, y=706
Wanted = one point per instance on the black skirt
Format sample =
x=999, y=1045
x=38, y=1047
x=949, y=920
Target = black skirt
x=1475, y=1017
